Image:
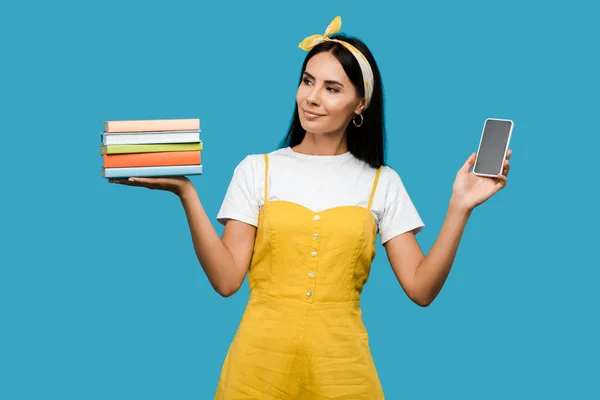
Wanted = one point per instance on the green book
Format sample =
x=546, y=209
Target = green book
x=149, y=148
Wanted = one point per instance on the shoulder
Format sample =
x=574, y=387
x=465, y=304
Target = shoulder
x=252, y=162
x=389, y=179
x=390, y=188
x=389, y=174
x=250, y=167
x=394, y=207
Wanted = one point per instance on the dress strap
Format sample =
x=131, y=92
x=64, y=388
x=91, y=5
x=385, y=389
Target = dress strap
x=266, y=177
x=374, y=187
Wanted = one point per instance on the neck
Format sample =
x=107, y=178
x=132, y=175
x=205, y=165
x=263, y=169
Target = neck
x=322, y=145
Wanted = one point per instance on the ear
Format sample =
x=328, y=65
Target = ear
x=361, y=106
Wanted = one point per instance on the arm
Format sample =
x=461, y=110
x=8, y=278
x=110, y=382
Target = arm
x=224, y=260
x=422, y=277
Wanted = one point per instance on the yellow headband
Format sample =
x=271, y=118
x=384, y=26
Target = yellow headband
x=334, y=27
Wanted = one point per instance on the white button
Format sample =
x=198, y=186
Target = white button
x=314, y=254
x=316, y=217
x=316, y=235
x=309, y=293
x=311, y=274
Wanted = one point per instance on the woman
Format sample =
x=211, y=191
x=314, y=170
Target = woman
x=302, y=221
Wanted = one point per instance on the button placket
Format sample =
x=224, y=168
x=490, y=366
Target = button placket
x=314, y=259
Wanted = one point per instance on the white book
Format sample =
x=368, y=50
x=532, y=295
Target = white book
x=150, y=138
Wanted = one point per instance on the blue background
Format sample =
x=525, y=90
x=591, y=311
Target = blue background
x=101, y=296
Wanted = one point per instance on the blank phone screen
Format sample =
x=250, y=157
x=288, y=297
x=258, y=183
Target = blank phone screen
x=492, y=147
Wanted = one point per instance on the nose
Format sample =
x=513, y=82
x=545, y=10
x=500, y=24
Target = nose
x=312, y=97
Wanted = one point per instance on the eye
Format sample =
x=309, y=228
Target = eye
x=334, y=90
x=306, y=81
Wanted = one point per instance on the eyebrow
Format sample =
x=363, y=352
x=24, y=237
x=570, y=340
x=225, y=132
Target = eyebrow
x=329, y=82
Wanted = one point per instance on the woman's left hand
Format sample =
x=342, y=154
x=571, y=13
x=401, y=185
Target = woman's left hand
x=470, y=190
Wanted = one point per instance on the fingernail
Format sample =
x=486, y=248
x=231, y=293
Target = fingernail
x=131, y=179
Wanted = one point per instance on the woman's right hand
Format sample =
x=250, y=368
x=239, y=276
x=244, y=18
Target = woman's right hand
x=174, y=184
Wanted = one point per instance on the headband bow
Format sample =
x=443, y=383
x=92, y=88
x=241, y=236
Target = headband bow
x=367, y=73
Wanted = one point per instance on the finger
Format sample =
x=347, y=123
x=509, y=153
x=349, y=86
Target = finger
x=117, y=180
x=508, y=153
x=128, y=182
x=145, y=181
x=501, y=182
x=469, y=163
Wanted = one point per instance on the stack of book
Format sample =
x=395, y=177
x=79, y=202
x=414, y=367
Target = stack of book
x=166, y=147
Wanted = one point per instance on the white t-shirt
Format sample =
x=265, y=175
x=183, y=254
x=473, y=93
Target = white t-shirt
x=319, y=183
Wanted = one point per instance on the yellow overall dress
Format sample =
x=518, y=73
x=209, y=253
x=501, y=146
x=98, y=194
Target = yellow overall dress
x=302, y=334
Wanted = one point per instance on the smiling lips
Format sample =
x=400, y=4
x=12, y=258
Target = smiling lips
x=311, y=115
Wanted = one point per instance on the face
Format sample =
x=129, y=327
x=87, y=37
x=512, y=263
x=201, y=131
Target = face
x=327, y=100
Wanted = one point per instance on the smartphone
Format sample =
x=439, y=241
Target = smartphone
x=493, y=146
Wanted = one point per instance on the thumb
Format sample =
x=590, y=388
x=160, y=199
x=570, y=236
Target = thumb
x=469, y=163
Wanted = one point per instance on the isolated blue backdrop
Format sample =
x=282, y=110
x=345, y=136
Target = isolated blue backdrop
x=101, y=295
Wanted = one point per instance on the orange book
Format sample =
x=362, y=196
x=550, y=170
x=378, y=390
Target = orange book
x=152, y=159
x=152, y=125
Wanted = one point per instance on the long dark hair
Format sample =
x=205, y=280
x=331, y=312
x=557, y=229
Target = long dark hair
x=366, y=143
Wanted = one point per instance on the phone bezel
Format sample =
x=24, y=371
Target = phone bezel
x=512, y=124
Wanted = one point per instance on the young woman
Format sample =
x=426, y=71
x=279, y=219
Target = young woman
x=302, y=221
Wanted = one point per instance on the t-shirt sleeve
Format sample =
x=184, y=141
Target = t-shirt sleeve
x=400, y=214
x=242, y=200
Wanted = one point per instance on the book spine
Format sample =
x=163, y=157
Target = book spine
x=152, y=159
x=151, y=132
x=150, y=148
x=152, y=138
x=152, y=171
x=152, y=125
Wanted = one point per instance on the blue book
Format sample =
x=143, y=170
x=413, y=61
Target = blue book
x=173, y=170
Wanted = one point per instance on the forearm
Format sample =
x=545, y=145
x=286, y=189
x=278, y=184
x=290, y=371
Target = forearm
x=433, y=270
x=215, y=258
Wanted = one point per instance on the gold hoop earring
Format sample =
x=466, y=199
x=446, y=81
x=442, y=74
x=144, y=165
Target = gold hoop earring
x=361, y=121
